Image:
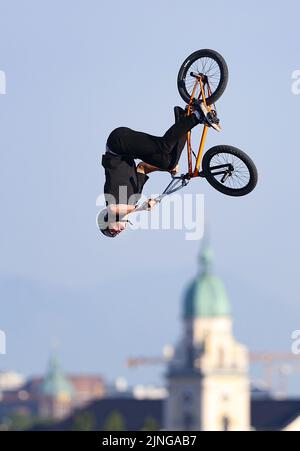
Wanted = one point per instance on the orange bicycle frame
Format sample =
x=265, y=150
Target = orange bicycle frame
x=195, y=172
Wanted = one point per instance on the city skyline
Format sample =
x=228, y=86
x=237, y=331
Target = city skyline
x=257, y=376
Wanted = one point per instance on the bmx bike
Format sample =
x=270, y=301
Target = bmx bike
x=203, y=76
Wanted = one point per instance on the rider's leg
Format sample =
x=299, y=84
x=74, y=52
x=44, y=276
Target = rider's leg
x=157, y=151
x=177, y=133
x=173, y=142
x=176, y=152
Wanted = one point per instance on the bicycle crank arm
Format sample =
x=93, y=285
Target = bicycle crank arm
x=228, y=167
x=214, y=171
x=225, y=176
x=201, y=174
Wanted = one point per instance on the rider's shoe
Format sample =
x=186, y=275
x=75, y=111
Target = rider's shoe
x=178, y=113
x=207, y=117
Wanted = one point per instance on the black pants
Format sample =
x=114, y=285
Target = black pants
x=162, y=152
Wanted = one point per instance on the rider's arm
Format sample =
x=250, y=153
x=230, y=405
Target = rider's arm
x=145, y=168
x=120, y=209
x=123, y=209
x=148, y=205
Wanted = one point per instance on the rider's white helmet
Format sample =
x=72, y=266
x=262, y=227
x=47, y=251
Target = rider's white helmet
x=103, y=224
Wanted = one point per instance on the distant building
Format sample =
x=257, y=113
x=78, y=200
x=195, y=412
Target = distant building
x=54, y=396
x=56, y=393
x=10, y=380
x=149, y=392
x=207, y=378
x=275, y=415
x=121, y=389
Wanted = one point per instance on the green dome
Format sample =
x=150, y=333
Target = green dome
x=206, y=296
x=55, y=384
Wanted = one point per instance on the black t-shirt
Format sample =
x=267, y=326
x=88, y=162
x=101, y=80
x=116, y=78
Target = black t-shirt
x=123, y=184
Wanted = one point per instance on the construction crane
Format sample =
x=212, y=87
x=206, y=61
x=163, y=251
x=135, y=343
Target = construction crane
x=271, y=363
x=167, y=354
x=283, y=364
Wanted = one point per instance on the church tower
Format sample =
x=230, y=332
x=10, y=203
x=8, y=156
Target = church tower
x=57, y=393
x=208, y=376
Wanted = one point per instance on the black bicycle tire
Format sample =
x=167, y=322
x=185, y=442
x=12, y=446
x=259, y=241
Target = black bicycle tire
x=189, y=61
x=239, y=154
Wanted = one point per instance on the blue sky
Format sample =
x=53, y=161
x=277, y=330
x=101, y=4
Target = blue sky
x=75, y=71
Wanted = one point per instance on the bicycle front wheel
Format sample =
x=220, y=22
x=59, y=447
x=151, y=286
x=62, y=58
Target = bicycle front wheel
x=212, y=67
x=229, y=170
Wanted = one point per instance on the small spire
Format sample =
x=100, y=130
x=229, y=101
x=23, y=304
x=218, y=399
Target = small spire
x=206, y=253
x=206, y=259
x=54, y=365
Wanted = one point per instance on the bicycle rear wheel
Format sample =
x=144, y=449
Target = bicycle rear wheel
x=229, y=170
x=212, y=67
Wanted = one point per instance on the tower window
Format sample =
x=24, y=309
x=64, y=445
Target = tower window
x=187, y=397
x=221, y=357
x=225, y=424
